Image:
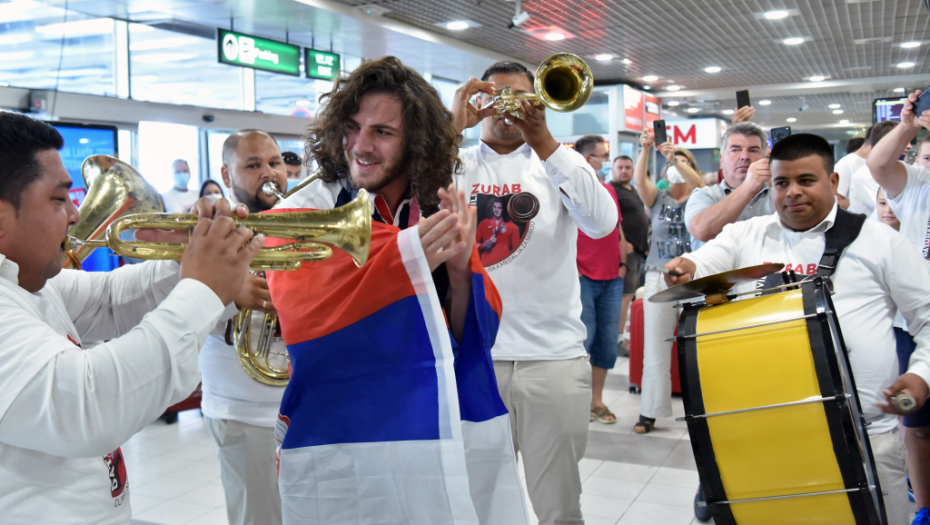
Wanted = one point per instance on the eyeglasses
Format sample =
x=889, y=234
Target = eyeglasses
x=603, y=158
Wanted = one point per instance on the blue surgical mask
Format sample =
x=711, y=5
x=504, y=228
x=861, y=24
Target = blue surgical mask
x=604, y=172
x=291, y=183
x=181, y=179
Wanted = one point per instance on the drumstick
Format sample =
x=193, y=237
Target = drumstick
x=903, y=402
x=666, y=271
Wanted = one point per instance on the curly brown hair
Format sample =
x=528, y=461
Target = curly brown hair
x=430, y=142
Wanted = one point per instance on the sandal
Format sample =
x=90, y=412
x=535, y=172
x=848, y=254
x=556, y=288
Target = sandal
x=602, y=414
x=644, y=425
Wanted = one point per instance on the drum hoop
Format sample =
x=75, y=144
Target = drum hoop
x=823, y=328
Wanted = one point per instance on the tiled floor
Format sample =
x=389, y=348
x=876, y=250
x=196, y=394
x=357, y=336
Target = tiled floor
x=627, y=479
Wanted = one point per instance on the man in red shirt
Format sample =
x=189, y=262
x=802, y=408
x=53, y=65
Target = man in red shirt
x=497, y=237
x=601, y=271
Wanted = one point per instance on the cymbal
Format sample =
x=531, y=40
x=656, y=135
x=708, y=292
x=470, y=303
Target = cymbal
x=719, y=283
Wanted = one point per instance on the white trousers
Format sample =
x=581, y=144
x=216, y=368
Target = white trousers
x=549, y=404
x=660, y=320
x=890, y=462
x=249, y=471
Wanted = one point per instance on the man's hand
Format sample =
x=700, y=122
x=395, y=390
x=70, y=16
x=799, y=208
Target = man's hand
x=457, y=203
x=744, y=114
x=438, y=233
x=203, y=208
x=622, y=273
x=910, y=384
x=908, y=118
x=759, y=175
x=531, y=120
x=255, y=296
x=684, y=267
x=219, y=255
x=465, y=114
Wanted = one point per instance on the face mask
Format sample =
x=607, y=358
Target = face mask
x=291, y=183
x=674, y=177
x=181, y=179
x=604, y=172
x=214, y=196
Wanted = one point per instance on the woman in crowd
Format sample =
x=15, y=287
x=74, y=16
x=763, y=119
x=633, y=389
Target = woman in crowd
x=670, y=239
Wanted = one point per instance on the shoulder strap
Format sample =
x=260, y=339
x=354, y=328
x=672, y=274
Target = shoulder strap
x=845, y=229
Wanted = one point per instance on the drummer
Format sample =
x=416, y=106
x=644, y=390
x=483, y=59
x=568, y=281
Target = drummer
x=878, y=274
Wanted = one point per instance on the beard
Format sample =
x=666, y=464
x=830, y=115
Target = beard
x=253, y=202
x=503, y=131
x=390, y=172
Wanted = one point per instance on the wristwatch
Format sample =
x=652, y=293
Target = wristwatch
x=677, y=160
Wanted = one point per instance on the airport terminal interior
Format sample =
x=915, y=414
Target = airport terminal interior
x=160, y=91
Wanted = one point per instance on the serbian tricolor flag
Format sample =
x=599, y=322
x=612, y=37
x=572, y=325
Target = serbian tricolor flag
x=387, y=419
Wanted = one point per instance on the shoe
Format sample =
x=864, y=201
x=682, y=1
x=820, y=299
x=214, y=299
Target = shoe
x=623, y=350
x=701, y=512
x=910, y=490
x=922, y=517
x=644, y=425
x=604, y=415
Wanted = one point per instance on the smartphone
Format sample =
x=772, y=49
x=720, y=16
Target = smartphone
x=779, y=133
x=923, y=103
x=658, y=127
x=742, y=99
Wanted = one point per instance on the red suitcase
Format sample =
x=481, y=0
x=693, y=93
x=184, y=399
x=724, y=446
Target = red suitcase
x=636, y=351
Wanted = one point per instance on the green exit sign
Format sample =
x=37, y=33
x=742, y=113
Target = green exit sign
x=324, y=66
x=239, y=49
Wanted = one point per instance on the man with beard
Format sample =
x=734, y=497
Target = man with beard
x=383, y=128
x=540, y=362
x=744, y=192
x=239, y=412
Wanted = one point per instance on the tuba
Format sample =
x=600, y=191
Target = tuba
x=563, y=83
x=114, y=190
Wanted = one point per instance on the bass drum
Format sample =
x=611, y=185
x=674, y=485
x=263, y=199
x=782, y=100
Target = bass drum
x=772, y=411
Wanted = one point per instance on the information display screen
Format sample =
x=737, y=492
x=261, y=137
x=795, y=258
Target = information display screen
x=239, y=49
x=82, y=141
x=887, y=109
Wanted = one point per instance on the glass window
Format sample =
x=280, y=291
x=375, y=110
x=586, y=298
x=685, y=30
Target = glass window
x=160, y=144
x=446, y=89
x=177, y=68
x=45, y=47
x=287, y=95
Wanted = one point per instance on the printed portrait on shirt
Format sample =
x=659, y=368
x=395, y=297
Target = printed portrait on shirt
x=504, y=222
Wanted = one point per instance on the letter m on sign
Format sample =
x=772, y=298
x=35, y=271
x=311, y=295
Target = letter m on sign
x=690, y=136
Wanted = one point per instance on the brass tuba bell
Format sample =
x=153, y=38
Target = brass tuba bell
x=114, y=189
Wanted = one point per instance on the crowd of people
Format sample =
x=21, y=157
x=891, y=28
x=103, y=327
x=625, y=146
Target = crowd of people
x=508, y=268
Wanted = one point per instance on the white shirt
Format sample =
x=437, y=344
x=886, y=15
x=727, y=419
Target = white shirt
x=64, y=408
x=177, y=201
x=703, y=198
x=538, y=283
x=912, y=207
x=877, y=275
x=863, y=191
x=845, y=167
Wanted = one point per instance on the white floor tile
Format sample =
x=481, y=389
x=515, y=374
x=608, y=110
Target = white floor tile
x=214, y=517
x=173, y=513
x=595, y=520
x=603, y=507
x=612, y=488
x=642, y=513
x=586, y=467
x=166, y=488
x=140, y=503
x=677, y=477
x=668, y=495
x=210, y=494
x=626, y=471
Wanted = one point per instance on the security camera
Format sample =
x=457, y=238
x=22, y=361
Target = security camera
x=208, y=118
x=518, y=20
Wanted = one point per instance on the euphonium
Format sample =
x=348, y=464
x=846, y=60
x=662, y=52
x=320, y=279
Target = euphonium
x=115, y=189
x=563, y=83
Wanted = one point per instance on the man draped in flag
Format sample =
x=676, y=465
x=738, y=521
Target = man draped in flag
x=392, y=413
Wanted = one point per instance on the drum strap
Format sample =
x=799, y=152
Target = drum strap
x=845, y=229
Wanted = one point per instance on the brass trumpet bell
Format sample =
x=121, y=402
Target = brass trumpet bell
x=313, y=232
x=115, y=189
x=563, y=83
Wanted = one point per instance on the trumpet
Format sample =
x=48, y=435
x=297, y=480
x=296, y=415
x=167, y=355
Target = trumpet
x=563, y=83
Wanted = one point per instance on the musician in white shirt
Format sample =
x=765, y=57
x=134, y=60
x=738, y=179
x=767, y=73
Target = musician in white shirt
x=66, y=403
x=539, y=358
x=878, y=274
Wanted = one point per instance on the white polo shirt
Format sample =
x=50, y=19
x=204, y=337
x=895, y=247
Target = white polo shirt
x=66, y=405
x=879, y=274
